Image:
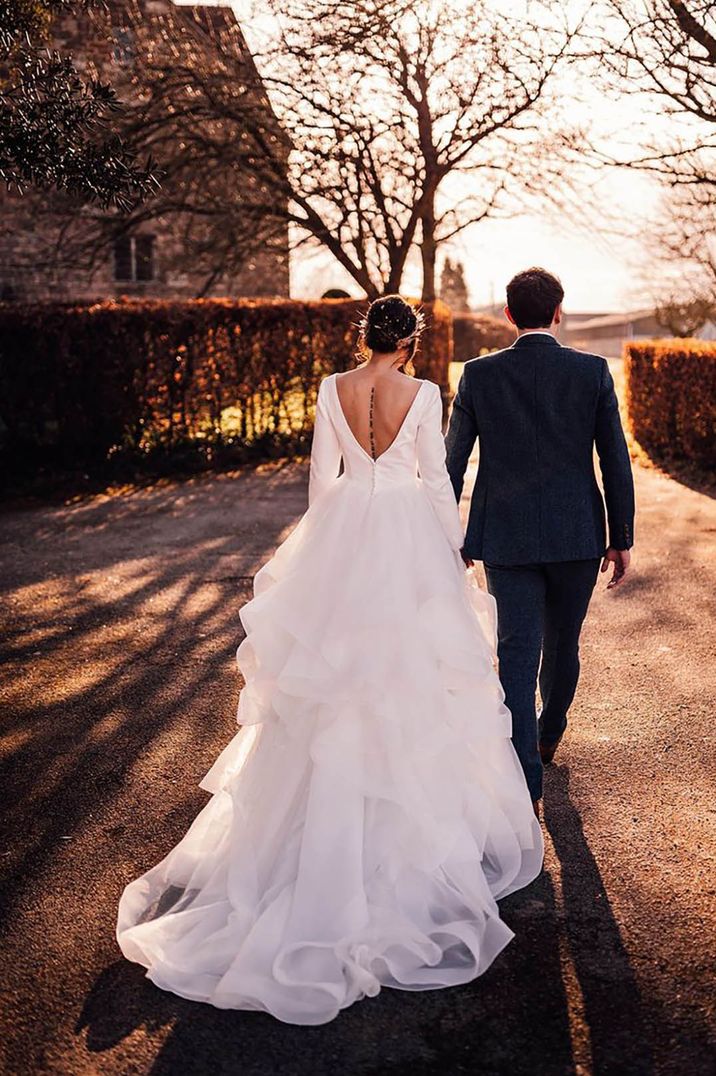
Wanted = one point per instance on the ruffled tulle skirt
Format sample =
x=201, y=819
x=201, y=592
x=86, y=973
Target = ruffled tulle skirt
x=371, y=809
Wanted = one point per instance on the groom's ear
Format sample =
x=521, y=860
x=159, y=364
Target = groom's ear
x=557, y=315
x=509, y=317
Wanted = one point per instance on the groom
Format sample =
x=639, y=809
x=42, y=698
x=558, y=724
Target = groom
x=537, y=516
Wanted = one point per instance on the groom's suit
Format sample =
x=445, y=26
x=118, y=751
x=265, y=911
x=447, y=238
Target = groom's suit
x=537, y=516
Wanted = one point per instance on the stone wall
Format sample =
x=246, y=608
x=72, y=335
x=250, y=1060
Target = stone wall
x=30, y=231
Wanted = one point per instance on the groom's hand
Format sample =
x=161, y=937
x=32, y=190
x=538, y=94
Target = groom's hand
x=620, y=558
x=467, y=560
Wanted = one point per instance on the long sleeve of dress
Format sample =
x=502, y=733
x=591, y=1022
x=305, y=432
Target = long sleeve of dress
x=325, y=450
x=461, y=436
x=433, y=472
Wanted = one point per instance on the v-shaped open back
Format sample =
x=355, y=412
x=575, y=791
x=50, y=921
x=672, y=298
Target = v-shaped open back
x=370, y=450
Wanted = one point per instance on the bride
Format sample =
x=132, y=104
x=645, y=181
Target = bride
x=371, y=810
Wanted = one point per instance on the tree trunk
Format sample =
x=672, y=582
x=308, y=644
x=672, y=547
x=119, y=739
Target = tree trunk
x=428, y=249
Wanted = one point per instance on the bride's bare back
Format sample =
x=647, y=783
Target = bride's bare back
x=375, y=404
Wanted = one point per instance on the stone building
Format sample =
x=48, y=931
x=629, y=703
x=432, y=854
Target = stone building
x=152, y=254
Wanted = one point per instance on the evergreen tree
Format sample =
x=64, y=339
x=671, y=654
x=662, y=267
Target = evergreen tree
x=53, y=124
x=453, y=289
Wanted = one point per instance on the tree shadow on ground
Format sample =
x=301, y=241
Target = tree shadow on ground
x=119, y=626
x=522, y=1016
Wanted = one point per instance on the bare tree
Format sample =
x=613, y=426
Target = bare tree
x=668, y=48
x=685, y=317
x=684, y=236
x=398, y=125
x=411, y=121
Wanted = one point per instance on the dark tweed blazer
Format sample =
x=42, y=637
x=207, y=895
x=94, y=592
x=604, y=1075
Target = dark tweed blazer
x=538, y=410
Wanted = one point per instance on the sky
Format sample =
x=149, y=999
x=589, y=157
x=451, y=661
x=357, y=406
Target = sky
x=601, y=273
x=601, y=257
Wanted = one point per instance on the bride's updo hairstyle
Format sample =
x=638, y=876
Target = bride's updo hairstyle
x=389, y=325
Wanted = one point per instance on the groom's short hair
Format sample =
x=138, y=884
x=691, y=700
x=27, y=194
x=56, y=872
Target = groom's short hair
x=533, y=296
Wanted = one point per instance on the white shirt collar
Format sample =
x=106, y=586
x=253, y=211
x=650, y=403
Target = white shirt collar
x=537, y=332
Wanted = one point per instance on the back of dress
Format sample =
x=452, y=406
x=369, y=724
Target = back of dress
x=371, y=810
x=413, y=462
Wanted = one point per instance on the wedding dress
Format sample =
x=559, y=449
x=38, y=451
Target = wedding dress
x=371, y=808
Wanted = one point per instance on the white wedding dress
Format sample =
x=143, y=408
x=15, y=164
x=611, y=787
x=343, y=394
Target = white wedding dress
x=371, y=808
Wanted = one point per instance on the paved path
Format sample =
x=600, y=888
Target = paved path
x=119, y=620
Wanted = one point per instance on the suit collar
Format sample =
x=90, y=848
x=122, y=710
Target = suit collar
x=535, y=339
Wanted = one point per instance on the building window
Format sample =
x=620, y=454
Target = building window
x=134, y=258
x=144, y=257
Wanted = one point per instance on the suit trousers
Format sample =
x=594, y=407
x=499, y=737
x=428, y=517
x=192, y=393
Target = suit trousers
x=540, y=612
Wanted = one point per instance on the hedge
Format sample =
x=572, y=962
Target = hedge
x=671, y=398
x=206, y=379
x=474, y=334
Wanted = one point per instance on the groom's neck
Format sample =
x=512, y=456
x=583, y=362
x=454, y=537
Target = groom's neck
x=542, y=329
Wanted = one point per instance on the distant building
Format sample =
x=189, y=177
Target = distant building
x=605, y=333
x=152, y=260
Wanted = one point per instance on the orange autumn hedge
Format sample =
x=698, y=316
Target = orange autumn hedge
x=671, y=397
x=475, y=334
x=210, y=379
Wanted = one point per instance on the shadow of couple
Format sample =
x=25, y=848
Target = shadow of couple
x=562, y=998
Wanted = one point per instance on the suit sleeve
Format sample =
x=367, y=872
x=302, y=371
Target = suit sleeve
x=432, y=470
x=325, y=450
x=615, y=465
x=461, y=436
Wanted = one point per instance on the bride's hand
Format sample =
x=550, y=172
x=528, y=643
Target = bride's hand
x=467, y=561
